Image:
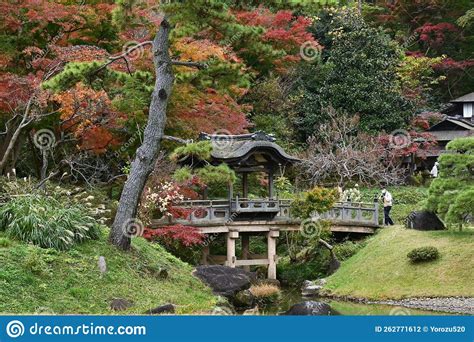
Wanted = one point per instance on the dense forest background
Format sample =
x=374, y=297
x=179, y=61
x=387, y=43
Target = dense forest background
x=285, y=67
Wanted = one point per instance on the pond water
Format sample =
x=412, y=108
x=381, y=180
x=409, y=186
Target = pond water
x=291, y=297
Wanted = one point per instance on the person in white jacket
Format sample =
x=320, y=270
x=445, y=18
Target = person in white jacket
x=434, y=171
x=387, y=206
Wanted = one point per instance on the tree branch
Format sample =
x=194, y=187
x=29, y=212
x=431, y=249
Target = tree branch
x=176, y=139
x=123, y=56
x=189, y=64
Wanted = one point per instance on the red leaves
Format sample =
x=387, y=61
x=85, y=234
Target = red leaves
x=449, y=64
x=97, y=139
x=187, y=236
x=213, y=111
x=435, y=35
x=283, y=30
x=15, y=91
x=425, y=120
x=417, y=143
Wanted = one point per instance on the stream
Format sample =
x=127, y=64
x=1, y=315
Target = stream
x=293, y=296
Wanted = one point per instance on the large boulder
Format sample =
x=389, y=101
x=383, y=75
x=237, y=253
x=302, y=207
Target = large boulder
x=311, y=308
x=424, y=220
x=162, y=309
x=224, y=281
x=120, y=304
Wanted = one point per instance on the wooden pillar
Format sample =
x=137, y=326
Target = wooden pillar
x=231, y=237
x=245, y=249
x=205, y=255
x=270, y=183
x=272, y=255
x=245, y=185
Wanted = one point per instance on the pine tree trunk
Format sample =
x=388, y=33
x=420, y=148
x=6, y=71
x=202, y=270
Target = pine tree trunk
x=147, y=153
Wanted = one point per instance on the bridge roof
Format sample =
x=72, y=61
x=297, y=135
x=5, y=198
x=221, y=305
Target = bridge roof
x=254, y=148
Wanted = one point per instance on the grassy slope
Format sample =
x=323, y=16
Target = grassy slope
x=36, y=280
x=381, y=269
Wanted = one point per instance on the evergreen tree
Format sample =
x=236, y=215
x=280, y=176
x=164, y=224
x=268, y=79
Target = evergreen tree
x=451, y=195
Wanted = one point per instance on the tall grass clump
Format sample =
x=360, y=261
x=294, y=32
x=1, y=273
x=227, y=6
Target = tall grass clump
x=265, y=293
x=46, y=222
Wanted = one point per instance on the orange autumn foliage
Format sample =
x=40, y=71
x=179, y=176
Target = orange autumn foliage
x=89, y=116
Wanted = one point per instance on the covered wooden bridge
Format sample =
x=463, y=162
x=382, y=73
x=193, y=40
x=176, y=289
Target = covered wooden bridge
x=240, y=217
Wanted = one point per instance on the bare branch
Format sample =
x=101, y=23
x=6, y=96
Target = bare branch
x=339, y=154
x=123, y=56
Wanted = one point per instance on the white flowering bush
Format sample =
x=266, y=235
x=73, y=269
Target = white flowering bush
x=351, y=195
x=157, y=201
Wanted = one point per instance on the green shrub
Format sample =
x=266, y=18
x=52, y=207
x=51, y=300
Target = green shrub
x=423, y=254
x=183, y=174
x=295, y=272
x=35, y=264
x=4, y=243
x=316, y=200
x=346, y=249
x=46, y=222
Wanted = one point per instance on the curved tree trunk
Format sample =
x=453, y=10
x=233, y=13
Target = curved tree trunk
x=124, y=226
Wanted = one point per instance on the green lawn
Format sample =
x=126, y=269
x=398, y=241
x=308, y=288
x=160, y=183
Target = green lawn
x=36, y=280
x=381, y=270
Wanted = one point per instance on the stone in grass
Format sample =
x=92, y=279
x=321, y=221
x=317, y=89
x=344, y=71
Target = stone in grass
x=424, y=220
x=102, y=265
x=167, y=308
x=120, y=304
x=311, y=308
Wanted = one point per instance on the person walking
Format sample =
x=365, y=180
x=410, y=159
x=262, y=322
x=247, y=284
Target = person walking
x=387, y=206
x=434, y=171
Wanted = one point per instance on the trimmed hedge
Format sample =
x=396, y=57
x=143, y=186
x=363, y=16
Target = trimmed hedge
x=423, y=254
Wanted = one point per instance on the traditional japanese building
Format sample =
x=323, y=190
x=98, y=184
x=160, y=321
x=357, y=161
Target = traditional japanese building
x=459, y=122
x=247, y=154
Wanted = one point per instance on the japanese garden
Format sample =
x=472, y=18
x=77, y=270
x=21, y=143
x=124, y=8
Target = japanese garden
x=221, y=157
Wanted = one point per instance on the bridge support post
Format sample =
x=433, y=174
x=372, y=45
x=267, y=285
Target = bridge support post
x=246, y=249
x=272, y=255
x=231, y=237
x=205, y=255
